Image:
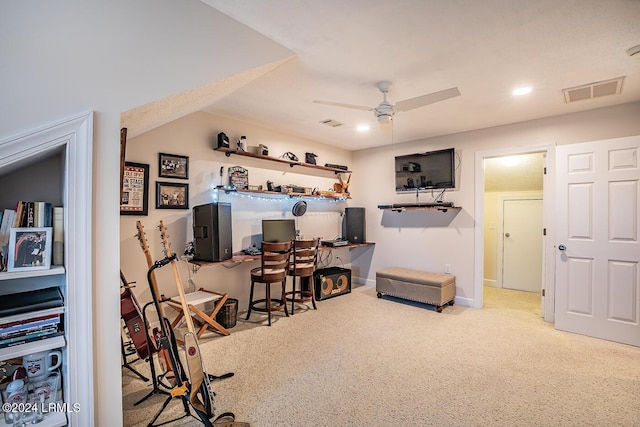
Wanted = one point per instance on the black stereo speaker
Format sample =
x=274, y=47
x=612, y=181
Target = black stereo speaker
x=331, y=282
x=223, y=140
x=212, y=232
x=355, y=225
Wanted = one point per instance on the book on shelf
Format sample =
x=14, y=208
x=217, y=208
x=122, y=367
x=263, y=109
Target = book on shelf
x=8, y=217
x=58, y=236
x=31, y=326
x=30, y=323
x=12, y=342
x=33, y=214
x=17, y=222
x=34, y=331
x=30, y=301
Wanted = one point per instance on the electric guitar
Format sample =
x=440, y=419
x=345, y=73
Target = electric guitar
x=163, y=355
x=130, y=313
x=200, y=394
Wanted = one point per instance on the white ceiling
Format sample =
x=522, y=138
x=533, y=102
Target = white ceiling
x=485, y=48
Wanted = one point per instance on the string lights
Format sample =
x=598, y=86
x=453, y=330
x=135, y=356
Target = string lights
x=277, y=198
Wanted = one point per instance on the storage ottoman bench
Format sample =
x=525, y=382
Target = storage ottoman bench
x=430, y=288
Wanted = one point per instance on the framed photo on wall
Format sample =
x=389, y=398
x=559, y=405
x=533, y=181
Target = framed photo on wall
x=30, y=249
x=173, y=166
x=135, y=189
x=172, y=195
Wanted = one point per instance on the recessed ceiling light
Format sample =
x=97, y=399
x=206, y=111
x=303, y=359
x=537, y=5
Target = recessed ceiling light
x=362, y=128
x=522, y=91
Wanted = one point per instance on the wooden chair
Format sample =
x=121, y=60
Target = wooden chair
x=273, y=268
x=304, y=261
x=203, y=319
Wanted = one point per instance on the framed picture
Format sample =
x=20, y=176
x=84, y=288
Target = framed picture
x=173, y=166
x=172, y=195
x=30, y=249
x=135, y=189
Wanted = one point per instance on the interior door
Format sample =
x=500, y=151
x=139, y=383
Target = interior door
x=522, y=245
x=598, y=249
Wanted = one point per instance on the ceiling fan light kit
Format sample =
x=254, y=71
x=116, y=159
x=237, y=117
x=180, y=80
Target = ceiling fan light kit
x=384, y=118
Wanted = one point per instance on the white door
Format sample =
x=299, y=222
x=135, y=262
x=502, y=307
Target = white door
x=598, y=235
x=522, y=245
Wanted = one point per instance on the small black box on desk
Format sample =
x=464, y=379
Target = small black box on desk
x=331, y=282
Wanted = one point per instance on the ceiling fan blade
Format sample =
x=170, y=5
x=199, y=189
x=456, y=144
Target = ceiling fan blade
x=337, y=104
x=431, y=98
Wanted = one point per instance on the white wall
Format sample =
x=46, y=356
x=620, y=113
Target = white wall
x=67, y=57
x=191, y=136
x=427, y=240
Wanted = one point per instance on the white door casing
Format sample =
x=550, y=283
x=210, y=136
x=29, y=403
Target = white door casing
x=598, y=239
x=548, y=299
x=522, y=244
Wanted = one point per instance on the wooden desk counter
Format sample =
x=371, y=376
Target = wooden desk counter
x=239, y=258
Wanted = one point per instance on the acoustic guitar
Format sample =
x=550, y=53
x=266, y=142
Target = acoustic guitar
x=163, y=355
x=132, y=316
x=200, y=394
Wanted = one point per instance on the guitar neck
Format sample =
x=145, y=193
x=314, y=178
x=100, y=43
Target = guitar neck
x=147, y=254
x=176, y=276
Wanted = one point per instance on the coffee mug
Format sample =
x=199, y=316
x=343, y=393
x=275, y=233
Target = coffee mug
x=40, y=364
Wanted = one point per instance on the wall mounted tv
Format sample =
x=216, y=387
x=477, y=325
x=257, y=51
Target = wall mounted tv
x=424, y=171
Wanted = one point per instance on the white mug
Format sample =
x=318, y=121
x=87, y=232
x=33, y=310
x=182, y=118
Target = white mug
x=40, y=364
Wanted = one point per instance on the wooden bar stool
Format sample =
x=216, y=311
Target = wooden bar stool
x=304, y=260
x=273, y=268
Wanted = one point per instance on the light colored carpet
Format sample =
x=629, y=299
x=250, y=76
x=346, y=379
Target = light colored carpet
x=363, y=361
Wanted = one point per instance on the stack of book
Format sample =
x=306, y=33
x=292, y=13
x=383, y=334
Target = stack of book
x=33, y=214
x=31, y=316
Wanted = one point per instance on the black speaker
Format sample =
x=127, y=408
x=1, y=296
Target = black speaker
x=355, y=225
x=223, y=140
x=212, y=232
x=331, y=282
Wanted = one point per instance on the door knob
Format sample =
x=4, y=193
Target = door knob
x=507, y=234
x=562, y=248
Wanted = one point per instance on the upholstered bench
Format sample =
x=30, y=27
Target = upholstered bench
x=430, y=288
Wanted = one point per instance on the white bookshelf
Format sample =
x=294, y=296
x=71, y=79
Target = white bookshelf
x=53, y=271
x=54, y=164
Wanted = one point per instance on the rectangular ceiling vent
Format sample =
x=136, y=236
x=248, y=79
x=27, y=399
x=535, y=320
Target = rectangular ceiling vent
x=331, y=122
x=593, y=90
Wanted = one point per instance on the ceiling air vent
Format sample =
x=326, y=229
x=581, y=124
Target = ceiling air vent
x=331, y=122
x=593, y=90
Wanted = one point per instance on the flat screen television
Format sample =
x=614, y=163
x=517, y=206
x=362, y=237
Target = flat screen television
x=424, y=171
x=278, y=230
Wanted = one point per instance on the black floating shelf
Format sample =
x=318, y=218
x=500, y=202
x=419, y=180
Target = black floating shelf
x=229, y=151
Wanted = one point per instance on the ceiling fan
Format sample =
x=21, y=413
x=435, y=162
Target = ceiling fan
x=384, y=112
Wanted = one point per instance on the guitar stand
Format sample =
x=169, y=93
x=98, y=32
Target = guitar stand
x=164, y=405
x=157, y=380
x=125, y=362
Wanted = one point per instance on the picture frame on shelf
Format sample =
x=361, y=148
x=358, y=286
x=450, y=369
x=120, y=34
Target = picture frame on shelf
x=173, y=166
x=135, y=189
x=172, y=195
x=30, y=249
